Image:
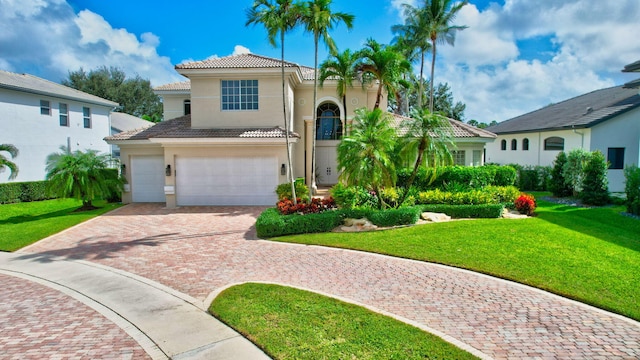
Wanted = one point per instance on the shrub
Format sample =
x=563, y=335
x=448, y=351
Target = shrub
x=632, y=189
x=502, y=194
x=316, y=205
x=284, y=190
x=504, y=175
x=534, y=178
x=395, y=217
x=526, y=204
x=10, y=193
x=573, y=169
x=486, y=211
x=271, y=223
x=23, y=192
x=595, y=190
x=558, y=184
x=488, y=195
x=353, y=197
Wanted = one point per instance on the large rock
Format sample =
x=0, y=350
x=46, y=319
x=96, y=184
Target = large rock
x=512, y=214
x=356, y=225
x=435, y=217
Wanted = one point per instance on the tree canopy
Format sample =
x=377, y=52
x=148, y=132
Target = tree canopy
x=135, y=95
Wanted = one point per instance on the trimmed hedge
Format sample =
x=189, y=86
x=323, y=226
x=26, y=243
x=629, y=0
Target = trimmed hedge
x=23, y=192
x=475, y=177
x=270, y=223
x=486, y=211
x=395, y=217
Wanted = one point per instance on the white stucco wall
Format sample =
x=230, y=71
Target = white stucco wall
x=36, y=136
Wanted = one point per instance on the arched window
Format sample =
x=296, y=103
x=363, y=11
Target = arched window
x=554, y=143
x=328, y=125
x=514, y=144
x=187, y=107
x=503, y=145
x=525, y=144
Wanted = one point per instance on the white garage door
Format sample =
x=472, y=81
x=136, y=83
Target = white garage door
x=147, y=179
x=226, y=181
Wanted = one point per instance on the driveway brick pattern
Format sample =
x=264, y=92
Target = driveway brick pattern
x=38, y=322
x=198, y=250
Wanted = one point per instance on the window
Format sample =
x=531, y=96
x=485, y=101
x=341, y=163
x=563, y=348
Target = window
x=45, y=107
x=477, y=157
x=514, y=144
x=64, y=114
x=187, y=107
x=525, y=144
x=239, y=95
x=503, y=145
x=86, y=117
x=615, y=156
x=328, y=125
x=459, y=157
x=554, y=143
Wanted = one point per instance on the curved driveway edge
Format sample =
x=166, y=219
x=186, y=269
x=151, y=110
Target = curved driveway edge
x=198, y=250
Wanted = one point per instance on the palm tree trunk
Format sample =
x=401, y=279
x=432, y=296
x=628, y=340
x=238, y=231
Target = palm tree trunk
x=420, y=84
x=433, y=66
x=378, y=96
x=344, y=106
x=315, y=115
x=416, y=166
x=286, y=124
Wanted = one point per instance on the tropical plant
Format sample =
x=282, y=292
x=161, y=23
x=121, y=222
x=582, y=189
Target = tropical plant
x=378, y=62
x=573, y=169
x=341, y=68
x=595, y=190
x=427, y=139
x=6, y=163
x=365, y=154
x=558, y=184
x=526, y=204
x=632, y=189
x=278, y=17
x=81, y=175
x=318, y=19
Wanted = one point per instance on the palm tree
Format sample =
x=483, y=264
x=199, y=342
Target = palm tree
x=428, y=137
x=365, y=155
x=81, y=175
x=384, y=64
x=278, y=17
x=340, y=67
x=438, y=17
x=318, y=19
x=4, y=162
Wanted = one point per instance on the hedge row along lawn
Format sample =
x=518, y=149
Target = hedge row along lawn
x=588, y=254
x=22, y=224
x=289, y=323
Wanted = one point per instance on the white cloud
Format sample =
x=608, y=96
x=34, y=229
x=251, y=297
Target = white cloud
x=239, y=49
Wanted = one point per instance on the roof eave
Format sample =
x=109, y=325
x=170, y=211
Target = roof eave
x=105, y=103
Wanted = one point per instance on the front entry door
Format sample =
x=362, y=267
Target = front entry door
x=327, y=165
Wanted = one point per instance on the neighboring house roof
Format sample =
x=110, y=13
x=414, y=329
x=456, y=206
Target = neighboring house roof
x=579, y=112
x=460, y=129
x=241, y=61
x=176, y=86
x=124, y=122
x=181, y=128
x=633, y=67
x=35, y=85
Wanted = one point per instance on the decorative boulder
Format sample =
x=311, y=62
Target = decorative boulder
x=356, y=225
x=435, y=217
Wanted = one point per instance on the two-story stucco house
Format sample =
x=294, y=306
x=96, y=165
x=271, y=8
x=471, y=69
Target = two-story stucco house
x=38, y=116
x=224, y=142
x=607, y=120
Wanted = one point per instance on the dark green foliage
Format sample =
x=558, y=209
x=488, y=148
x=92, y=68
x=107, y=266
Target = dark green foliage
x=558, y=184
x=504, y=176
x=632, y=189
x=595, y=189
x=475, y=177
x=270, y=223
x=23, y=192
x=486, y=211
x=353, y=197
x=533, y=178
x=395, y=217
x=302, y=191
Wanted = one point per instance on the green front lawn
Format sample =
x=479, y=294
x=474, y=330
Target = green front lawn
x=22, y=224
x=293, y=324
x=591, y=255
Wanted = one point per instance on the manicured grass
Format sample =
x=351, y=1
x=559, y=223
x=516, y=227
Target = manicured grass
x=25, y=223
x=289, y=323
x=591, y=255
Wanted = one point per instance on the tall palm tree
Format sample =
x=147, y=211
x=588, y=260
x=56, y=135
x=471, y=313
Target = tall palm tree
x=384, y=64
x=439, y=14
x=318, y=19
x=278, y=17
x=81, y=175
x=4, y=162
x=340, y=67
x=365, y=155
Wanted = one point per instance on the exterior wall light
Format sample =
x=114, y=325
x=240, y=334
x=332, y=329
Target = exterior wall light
x=283, y=169
x=123, y=169
x=167, y=170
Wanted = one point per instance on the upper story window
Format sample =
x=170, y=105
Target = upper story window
x=615, y=156
x=514, y=144
x=503, y=145
x=525, y=144
x=239, y=95
x=554, y=143
x=86, y=117
x=187, y=107
x=64, y=114
x=328, y=124
x=45, y=107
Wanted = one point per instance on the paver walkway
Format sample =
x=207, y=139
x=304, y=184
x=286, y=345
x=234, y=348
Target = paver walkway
x=201, y=250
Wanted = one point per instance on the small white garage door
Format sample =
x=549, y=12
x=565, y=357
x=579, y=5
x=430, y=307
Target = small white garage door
x=147, y=179
x=226, y=181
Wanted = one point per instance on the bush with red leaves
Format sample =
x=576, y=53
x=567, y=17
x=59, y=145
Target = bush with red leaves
x=526, y=204
x=316, y=205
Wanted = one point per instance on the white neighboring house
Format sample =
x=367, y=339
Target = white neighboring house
x=38, y=116
x=607, y=120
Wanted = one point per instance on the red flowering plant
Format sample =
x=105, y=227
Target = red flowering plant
x=526, y=204
x=316, y=205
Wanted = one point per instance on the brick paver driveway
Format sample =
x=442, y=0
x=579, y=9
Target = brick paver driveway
x=200, y=250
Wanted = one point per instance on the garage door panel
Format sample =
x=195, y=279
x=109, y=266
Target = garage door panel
x=147, y=179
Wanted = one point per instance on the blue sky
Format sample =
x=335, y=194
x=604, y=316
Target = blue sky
x=516, y=55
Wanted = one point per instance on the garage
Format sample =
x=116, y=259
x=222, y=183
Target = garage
x=147, y=179
x=226, y=180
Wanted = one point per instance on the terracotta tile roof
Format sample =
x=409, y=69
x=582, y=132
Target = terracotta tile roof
x=460, y=129
x=176, y=86
x=241, y=61
x=181, y=128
